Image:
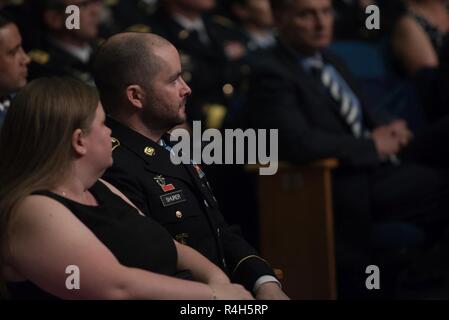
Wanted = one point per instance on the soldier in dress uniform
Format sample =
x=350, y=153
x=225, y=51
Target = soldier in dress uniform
x=140, y=82
x=13, y=63
x=67, y=52
x=211, y=52
x=256, y=21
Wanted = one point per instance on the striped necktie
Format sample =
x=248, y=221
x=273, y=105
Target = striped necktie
x=348, y=107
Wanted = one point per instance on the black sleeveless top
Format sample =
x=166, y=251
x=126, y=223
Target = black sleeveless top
x=136, y=241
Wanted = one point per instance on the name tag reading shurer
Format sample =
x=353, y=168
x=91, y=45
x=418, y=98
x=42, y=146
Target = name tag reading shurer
x=172, y=198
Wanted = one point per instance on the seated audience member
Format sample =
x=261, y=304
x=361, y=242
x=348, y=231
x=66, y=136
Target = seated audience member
x=139, y=77
x=13, y=64
x=63, y=51
x=303, y=90
x=211, y=53
x=56, y=213
x=256, y=20
x=418, y=36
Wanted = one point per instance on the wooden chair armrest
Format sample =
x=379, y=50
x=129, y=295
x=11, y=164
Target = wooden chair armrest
x=283, y=166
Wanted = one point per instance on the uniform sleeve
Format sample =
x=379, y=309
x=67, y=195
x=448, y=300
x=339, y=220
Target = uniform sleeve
x=244, y=263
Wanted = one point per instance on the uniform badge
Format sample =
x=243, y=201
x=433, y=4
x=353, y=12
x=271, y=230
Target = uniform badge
x=149, y=151
x=182, y=238
x=183, y=34
x=39, y=56
x=175, y=197
x=141, y=28
x=115, y=143
x=200, y=172
x=160, y=180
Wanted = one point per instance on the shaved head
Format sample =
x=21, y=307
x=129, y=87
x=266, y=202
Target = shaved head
x=126, y=59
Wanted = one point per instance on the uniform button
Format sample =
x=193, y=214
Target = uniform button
x=178, y=214
x=228, y=89
x=184, y=34
x=206, y=204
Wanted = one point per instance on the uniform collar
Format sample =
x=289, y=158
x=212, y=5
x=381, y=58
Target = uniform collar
x=83, y=54
x=193, y=25
x=196, y=24
x=5, y=102
x=156, y=157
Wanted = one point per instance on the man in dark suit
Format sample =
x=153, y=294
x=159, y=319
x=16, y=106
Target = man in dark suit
x=139, y=77
x=308, y=94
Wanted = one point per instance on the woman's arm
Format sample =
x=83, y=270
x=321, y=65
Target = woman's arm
x=412, y=46
x=46, y=238
x=201, y=268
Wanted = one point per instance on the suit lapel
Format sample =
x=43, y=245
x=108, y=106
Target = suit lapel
x=304, y=80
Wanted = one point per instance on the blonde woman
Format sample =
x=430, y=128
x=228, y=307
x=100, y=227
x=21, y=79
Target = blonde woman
x=56, y=213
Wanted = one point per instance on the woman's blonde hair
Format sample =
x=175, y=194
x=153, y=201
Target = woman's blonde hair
x=36, y=142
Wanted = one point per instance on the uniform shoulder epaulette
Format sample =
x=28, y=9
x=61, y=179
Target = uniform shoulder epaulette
x=14, y=2
x=142, y=28
x=110, y=3
x=39, y=56
x=223, y=21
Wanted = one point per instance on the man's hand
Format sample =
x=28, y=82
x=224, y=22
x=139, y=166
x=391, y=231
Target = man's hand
x=270, y=291
x=387, y=144
x=400, y=130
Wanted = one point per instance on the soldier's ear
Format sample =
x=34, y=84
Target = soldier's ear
x=135, y=95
